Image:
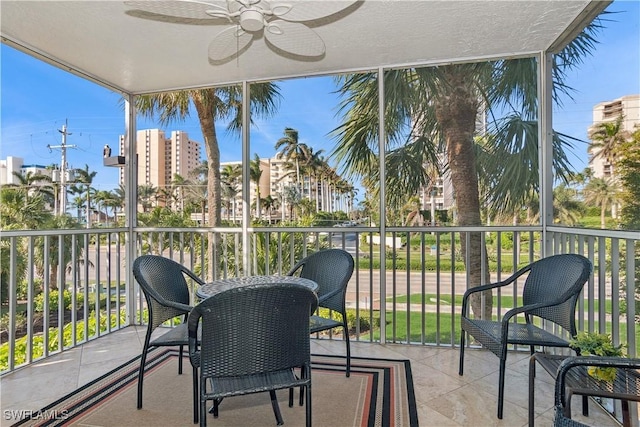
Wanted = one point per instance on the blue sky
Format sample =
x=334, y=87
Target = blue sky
x=37, y=99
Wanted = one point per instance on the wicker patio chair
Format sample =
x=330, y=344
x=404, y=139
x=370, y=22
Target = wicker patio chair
x=252, y=339
x=331, y=269
x=550, y=293
x=572, y=378
x=163, y=282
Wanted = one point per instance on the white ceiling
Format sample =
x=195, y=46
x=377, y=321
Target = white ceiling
x=100, y=40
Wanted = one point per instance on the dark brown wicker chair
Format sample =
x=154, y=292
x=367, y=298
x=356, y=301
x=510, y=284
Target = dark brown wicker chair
x=253, y=339
x=163, y=282
x=550, y=293
x=572, y=379
x=331, y=269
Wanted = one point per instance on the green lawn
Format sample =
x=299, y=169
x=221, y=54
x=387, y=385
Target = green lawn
x=507, y=301
x=430, y=319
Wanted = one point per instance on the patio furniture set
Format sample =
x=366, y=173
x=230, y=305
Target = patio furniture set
x=251, y=334
x=247, y=334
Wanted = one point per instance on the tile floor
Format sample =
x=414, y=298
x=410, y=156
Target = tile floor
x=443, y=397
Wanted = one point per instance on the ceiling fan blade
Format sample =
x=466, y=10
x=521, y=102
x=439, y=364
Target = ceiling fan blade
x=228, y=43
x=183, y=8
x=301, y=11
x=294, y=38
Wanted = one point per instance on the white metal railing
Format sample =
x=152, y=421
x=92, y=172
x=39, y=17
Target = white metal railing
x=413, y=299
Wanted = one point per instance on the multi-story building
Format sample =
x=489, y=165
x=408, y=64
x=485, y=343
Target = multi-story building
x=11, y=166
x=16, y=164
x=161, y=158
x=627, y=107
x=439, y=195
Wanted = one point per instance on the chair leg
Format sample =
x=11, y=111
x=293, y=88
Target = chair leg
x=180, y=360
x=585, y=406
x=308, y=408
x=203, y=411
x=462, y=344
x=308, y=393
x=143, y=361
x=214, y=408
x=302, y=375
x=196, y=411
x=532, y=378
x=276, y=408
x=567, y=403
x=503, y=364
x=346, y=337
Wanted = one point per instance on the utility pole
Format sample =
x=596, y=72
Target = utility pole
x=63, y=166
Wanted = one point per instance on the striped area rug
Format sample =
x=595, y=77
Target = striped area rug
x=379, y=392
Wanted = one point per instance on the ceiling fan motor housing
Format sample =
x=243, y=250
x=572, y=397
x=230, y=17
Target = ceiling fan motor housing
x=251, y=20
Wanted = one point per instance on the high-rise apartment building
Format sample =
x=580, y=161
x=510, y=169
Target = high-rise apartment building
x=161, y=158
x=627, y=107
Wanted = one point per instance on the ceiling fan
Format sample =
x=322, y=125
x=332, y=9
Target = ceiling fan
x=281, y=22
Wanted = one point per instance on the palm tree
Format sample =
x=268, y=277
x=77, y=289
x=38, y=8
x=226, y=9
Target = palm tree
x=607, y=138
x=178, y=185
x=603, y=192
x=231, y=177
x=78, y=201
x=103, y=199
x=111, y=200
x=65, y=222
x=85, y=176
x=426, y=108
x=293, y=149
x=35, y=185
x=165, y=196
x=255, y=173
x=146, y=195
x=211, y=105
x=567, y=208
x=414, y=217
x=197, y=190
x=19, y=211
x=311, y=163
x=291, y=196
x=629, y=174
x=269, y=204
x=119, y=194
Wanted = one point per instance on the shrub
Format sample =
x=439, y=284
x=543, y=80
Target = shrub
x=53, y=301
x=53, y=345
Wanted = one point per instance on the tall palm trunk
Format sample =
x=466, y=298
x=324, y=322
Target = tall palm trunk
x=456, y=109
x=207, y=126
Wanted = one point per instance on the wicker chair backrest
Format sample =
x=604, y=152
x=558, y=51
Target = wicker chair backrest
x=254, y=329
x=557, y=278
x=161, y=279
x=331, y=269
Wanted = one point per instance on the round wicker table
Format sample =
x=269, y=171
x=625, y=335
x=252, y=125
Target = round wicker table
x=212, y=288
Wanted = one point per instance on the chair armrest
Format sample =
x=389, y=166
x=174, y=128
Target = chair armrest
x=329, y=295
x=488, y=286
x=193, y=276
x=295, y=268
x=600, y=361
x=184, y=307
x=165, y=302
x=526, y=308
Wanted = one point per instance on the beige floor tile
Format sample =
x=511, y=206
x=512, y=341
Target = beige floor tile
x=443, y=398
